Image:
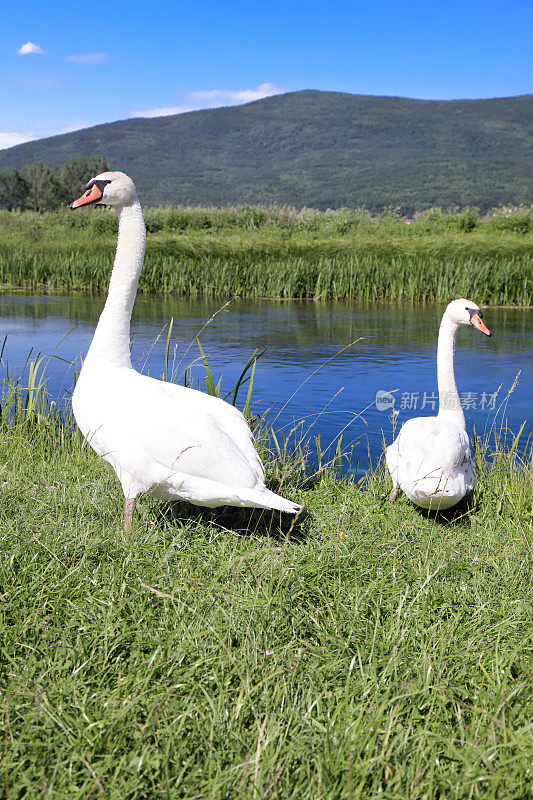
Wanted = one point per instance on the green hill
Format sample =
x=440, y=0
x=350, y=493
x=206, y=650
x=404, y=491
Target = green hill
x=320, y=149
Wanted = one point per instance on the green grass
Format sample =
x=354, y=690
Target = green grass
x=276, y=252
x=372, y=651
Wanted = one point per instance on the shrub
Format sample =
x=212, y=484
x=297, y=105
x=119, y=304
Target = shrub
x=105, y=222
x=516, y=219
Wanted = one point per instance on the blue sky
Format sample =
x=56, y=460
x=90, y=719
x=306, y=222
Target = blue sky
x=66, y=65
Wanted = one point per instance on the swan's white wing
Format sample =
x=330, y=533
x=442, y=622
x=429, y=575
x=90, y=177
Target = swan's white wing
x=132, y=420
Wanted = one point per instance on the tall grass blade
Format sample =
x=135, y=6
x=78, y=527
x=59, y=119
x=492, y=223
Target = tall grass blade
x=167, y=348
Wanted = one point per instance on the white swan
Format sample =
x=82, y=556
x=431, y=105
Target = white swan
x=430, y=458
x=160, y=438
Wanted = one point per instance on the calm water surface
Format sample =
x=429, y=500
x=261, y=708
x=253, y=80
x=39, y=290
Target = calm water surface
x=302, y=378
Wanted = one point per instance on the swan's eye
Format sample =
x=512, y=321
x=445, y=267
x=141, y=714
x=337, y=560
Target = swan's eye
x=474, y=312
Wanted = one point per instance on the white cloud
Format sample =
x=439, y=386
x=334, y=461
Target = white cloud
x=230, y=97
x=11, y=138
x=212, y=98
x=75, y=126
x=88, y=58
x=164, y=111
x=30, y=49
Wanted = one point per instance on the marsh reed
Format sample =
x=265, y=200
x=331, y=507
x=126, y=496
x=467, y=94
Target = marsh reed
x=341, y=255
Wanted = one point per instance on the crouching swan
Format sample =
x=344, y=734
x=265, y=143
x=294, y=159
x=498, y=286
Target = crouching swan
x=430, y=458
x=160, y=438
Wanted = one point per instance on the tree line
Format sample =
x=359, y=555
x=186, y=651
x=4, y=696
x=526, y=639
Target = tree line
x=37, y=187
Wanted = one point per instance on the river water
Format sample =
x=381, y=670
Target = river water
x=323, y=366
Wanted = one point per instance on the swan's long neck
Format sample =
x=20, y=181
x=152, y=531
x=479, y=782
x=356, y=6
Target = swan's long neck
x=111, y=340
x=449, y=403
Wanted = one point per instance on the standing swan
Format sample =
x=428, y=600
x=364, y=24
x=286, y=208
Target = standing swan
x=160, y=438
x=430, y=458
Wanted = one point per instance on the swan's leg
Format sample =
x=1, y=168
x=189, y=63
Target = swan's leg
x=394, y=494
x=129, y=508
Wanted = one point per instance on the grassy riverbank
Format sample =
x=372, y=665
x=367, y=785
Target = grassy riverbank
x=280, y=252
x=371, y=651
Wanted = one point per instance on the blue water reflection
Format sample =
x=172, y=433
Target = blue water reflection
x=308, y=374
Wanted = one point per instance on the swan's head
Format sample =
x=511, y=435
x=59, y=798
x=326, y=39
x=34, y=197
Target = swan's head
x=108, y=188
x=465, y=312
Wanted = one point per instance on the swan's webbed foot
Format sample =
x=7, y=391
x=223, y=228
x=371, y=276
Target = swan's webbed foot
x=394, y=495
x=129, y=508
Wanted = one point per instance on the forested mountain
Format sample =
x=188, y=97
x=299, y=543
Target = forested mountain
x=320, y=149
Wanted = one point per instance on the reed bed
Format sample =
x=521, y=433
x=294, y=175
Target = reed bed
x=196, y=252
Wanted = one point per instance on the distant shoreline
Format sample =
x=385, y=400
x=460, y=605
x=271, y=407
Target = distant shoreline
x=7, y=289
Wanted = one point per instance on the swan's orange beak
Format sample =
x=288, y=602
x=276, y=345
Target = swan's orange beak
x=92, y=195
x=478, y=323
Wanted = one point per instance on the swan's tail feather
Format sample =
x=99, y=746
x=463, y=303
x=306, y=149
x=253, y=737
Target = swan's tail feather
x=204, y=492
x=264, y=498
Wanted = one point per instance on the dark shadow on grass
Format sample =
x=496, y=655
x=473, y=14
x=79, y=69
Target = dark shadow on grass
x=245, y=522
x=456, y=515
